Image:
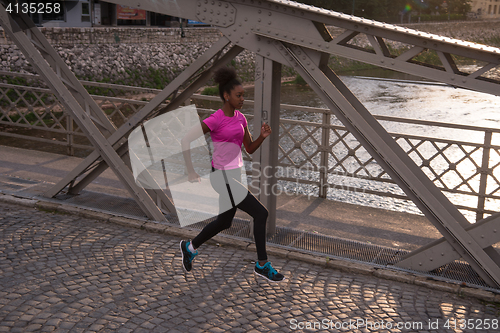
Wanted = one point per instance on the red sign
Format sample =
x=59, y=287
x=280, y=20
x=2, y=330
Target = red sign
x=129, y=13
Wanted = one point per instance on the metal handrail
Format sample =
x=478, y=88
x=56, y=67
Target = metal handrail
x=485, y=171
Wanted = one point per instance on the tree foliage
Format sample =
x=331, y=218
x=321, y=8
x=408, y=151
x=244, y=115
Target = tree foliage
x=391, y=10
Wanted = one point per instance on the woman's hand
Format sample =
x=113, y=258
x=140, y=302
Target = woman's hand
x=265, y=130
x=250, y=145
x=194, y=177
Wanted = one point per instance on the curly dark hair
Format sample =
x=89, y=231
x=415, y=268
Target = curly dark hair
x=226, y=78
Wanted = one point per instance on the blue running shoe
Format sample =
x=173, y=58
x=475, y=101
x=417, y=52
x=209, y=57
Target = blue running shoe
x=187, y=256
x=268, y=272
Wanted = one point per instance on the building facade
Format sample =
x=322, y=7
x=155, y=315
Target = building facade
x=64, y=14
x=95, y=13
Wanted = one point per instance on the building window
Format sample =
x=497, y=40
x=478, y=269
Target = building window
x=489, y=9
x=495, y=10
x=85, y=12
x=55, y=15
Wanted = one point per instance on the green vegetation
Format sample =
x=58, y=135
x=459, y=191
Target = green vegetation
x=32, y=119
x=151, y=78
x=299, y=80
x=210, y=91
x=492, y=41
x=398, y=10
x=21, y=96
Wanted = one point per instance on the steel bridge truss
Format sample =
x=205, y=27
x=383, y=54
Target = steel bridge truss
x=284, y=32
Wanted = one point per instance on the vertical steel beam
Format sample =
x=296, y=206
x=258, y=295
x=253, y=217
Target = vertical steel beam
x=324, y=156
x=267, y=110
x=484, y=176
x=254, y=186
x=325, y=143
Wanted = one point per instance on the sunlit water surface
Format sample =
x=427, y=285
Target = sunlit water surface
x=403, y=99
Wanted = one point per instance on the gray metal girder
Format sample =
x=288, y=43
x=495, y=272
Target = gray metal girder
x=147, y=111
x=440, y=252
x=242, y=21
x=402, y=169
x=267, y=110
x=38, y=40
x=295, y=34
x=71, y=105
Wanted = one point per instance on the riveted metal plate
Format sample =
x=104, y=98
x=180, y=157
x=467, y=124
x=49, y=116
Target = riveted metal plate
x=217, y=13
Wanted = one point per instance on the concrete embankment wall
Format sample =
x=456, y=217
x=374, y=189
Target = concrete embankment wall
x=131, y=55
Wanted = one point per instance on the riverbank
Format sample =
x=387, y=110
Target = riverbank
x=152, y=57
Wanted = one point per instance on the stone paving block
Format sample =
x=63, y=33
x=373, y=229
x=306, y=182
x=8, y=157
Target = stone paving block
x=394, y=275
x=479, y=294
x=437, y=285
x=278, y=252
x=234, y=243
x=183, y=233
x=351, y=267
x=70, y=210
x=309, y=258
x=123, y=221
x=18, y=201
x=90, y=214
x=251, y=248
x=47, y=206
x=155, y=227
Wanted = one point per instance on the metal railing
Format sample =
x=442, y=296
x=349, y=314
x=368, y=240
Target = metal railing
x=319, y=153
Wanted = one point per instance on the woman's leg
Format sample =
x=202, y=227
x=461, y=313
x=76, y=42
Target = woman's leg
x=222, y=222
x=252, y=206
x=259, y=213
x=225, y=217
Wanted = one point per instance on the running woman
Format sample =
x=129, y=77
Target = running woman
x=228, y=130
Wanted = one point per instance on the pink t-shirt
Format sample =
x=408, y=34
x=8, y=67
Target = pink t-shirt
x=227, y=136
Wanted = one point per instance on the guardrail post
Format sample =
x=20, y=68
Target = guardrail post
x=323, y=169
x=70, y=136
x=484, y=171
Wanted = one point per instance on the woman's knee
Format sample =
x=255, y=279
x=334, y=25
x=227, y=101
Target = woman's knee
x=226, y=219
x=261, y=213
x=226, y=225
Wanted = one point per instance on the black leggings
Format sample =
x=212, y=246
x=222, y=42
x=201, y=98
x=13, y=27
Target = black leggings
x=249, y=204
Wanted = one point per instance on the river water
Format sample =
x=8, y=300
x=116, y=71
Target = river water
x=399, y=95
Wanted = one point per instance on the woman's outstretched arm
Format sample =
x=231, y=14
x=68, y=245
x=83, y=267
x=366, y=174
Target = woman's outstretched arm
x=250, y=145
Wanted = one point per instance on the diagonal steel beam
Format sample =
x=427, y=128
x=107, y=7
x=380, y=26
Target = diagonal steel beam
x=136, y=119
x=440, y=252
x=78, y=91
x=149, y=109
x=72, y=106
x=59, y=67
x=450, y=74
x=375, y=139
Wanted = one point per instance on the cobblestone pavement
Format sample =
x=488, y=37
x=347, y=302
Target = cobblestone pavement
x=64, y=273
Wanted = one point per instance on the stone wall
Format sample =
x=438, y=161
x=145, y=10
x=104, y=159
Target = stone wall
x=132, y=56
x=124, y=35
x=136, y=56
x=472, y=31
